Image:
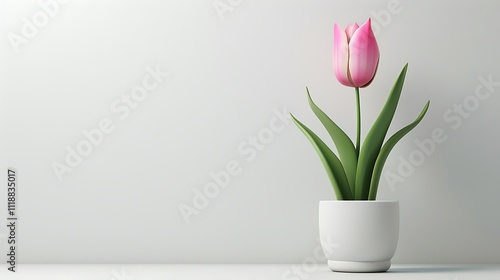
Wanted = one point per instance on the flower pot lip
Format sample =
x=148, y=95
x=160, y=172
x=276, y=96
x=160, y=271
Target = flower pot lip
x=359, y=201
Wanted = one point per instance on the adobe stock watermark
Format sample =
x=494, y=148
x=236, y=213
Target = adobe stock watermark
x=383, y=17
x=121, y=108
x=310, y=264
x=222, y=7
x=454, y=117
x=249, y=149
x=32, y=25
x=122, y=275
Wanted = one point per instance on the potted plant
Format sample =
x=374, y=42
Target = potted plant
x=358, y=233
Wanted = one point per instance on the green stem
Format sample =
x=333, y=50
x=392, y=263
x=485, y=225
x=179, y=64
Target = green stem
x=358, y=137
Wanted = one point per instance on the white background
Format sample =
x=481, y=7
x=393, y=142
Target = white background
x=230, y=71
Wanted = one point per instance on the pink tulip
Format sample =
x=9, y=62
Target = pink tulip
x=355, y=54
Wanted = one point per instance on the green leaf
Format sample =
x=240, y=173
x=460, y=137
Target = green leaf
x=375, y=138
x=386, y=149
x=345, y=147
x=330, y=161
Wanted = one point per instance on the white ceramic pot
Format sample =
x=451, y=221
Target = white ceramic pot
x=359, y=236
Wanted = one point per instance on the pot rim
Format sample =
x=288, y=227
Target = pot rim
x=358, y=201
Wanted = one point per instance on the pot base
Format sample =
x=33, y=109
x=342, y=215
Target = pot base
x=343, y=266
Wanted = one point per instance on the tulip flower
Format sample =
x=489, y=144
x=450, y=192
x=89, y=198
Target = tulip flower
x=355, y=60
x=355, y=54
x=355, y=173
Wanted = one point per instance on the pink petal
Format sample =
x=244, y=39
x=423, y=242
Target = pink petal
x=363, y=55
x=349, y=31
x=341, y=56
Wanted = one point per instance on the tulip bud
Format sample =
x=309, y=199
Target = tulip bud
x=355, y=54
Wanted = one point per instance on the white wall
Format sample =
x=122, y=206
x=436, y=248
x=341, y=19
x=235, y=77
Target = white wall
x=228, y=75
